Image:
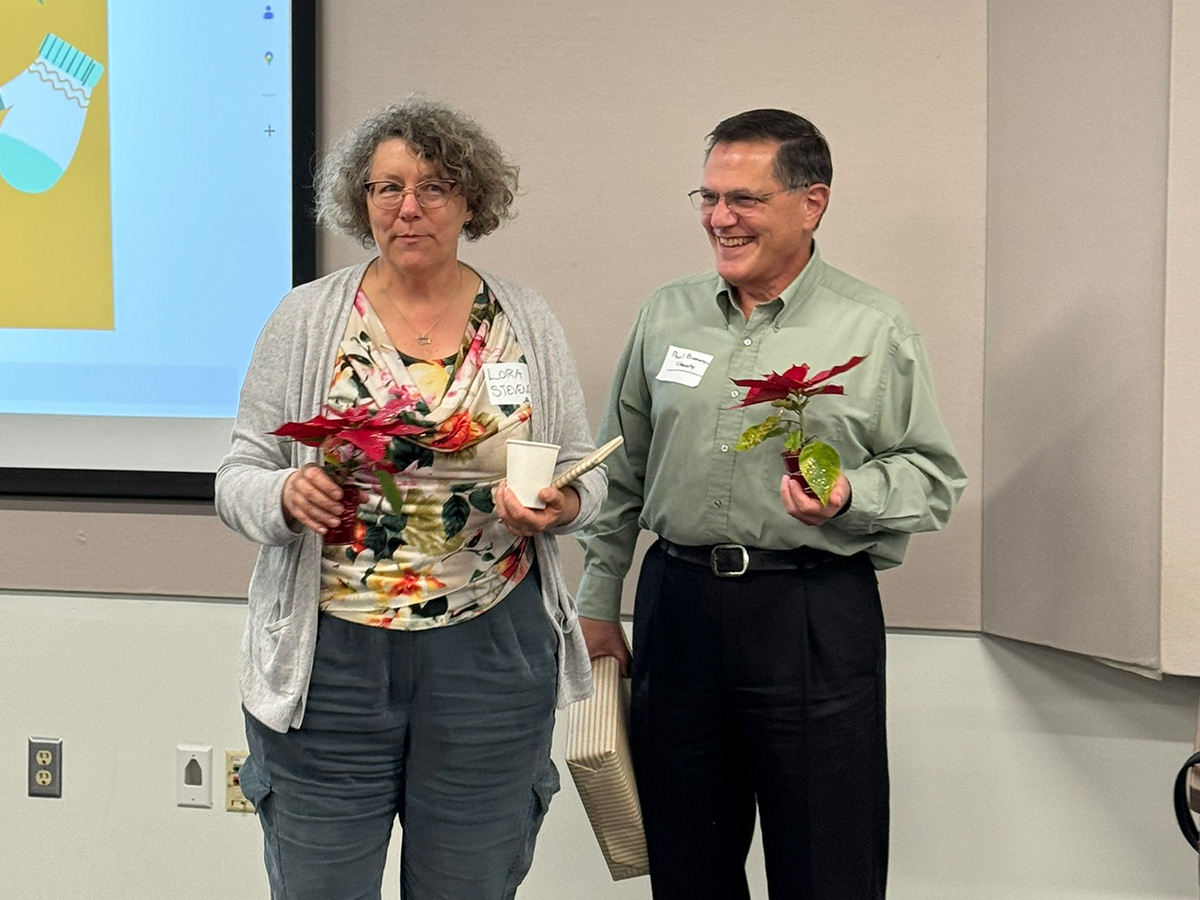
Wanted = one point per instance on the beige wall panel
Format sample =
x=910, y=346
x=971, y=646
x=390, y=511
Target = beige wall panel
x=1073, y=383
x=1181, y=400
x=171, y=549
x=605, y=107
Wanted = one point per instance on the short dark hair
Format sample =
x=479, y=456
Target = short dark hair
x=803, y=156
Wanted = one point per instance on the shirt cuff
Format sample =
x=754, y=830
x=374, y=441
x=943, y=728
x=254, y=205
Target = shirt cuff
x=599, y=597
x=859, y=515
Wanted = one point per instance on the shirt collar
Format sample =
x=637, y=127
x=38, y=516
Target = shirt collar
x=793, y=295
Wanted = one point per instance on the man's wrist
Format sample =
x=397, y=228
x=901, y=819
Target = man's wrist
x=849, y=497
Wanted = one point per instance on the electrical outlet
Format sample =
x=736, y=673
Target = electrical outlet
x=235, y=800
x=45, y=767
x=193, y=775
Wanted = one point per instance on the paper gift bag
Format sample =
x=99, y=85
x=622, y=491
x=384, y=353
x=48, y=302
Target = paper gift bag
x=601, y=765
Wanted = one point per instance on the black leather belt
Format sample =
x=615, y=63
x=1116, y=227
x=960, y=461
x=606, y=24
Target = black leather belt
x=734, y=560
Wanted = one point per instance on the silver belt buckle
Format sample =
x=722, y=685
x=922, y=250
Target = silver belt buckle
x=728, y=573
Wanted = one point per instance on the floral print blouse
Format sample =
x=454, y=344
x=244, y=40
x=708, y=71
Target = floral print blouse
x=427, y=549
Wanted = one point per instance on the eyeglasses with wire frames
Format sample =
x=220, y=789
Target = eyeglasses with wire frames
x=737, y=201
x=432, y=194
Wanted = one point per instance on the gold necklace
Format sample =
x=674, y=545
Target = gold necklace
x=422, y=338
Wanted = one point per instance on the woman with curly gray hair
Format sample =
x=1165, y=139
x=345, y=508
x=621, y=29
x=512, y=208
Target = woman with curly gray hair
x=409, y=627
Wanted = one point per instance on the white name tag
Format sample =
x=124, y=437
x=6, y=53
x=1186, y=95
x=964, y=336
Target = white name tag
x=507, y=383
x=684, y=367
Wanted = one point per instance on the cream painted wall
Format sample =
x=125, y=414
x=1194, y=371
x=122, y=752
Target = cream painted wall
x=1016, y=771
x=605, y=108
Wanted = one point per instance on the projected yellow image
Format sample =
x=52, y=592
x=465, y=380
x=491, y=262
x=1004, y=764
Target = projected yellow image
x=55, y=212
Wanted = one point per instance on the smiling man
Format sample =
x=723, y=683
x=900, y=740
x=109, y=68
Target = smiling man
x=758, y=649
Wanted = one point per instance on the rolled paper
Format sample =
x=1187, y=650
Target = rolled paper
x=588, y=463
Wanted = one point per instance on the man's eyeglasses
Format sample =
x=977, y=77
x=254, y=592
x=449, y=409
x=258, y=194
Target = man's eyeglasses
x=430, y=194
x=737, y=201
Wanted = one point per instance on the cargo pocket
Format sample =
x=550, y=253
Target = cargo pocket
x=255, y=782
x=544, y=788
x=252, y=782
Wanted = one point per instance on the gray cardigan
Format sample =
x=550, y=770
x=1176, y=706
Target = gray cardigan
x=288, y=381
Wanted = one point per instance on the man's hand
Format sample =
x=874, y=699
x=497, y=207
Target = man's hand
x=312, y=498
x=606, y=639
x=561, y=507
x=808, y=509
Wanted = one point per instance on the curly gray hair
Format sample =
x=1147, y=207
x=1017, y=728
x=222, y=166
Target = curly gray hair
x=437, y=133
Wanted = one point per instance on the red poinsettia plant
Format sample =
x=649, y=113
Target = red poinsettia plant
x=372, y=433
x=815, y=463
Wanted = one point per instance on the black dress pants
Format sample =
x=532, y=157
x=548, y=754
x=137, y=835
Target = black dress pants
x=764, y=691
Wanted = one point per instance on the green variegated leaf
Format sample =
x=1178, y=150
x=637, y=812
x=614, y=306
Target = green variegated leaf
x=820, y=465
x=756, y=434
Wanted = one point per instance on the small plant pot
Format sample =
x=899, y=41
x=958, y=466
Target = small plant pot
x=343, y=532
x=791, y=462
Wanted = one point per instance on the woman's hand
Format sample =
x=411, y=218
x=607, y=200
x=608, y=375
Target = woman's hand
x=312, y=498
x=561, y=507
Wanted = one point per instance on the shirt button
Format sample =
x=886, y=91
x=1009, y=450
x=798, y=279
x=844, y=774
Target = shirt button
x=776, y=326
x=717, y=504
x=733, y=393
x=724, y=448
x=747, y=342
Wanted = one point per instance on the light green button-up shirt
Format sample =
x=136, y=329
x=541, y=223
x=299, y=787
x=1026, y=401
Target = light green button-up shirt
x=672, y=398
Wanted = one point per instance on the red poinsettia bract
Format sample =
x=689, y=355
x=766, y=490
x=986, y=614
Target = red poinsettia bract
x=371, y=433
x=793, y=382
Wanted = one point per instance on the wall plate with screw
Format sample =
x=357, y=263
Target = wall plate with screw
x=45, y=767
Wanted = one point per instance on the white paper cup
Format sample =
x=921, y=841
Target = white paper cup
x=530, y=468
